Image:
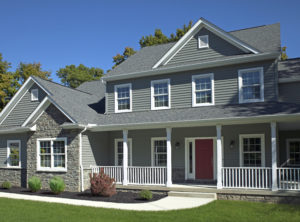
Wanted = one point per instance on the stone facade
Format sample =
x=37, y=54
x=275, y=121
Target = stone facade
x=15, y=176
x=48, y=126
x=86, y=178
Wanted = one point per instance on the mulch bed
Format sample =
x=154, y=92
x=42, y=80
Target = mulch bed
x=122, y=196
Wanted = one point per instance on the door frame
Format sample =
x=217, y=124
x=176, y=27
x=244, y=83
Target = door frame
x=192, y=176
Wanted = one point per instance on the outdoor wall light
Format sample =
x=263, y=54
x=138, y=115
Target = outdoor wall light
x=232, y=142
x=177, y=145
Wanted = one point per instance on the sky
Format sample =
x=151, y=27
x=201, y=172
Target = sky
x=57, y=33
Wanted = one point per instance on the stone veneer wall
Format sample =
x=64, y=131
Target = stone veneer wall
x=14, y=176
x=48, y=126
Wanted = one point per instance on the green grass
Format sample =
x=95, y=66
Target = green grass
x=21, y=210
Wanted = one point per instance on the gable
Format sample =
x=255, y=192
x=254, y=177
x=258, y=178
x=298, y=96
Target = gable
x=23, y=108
x=218, y=48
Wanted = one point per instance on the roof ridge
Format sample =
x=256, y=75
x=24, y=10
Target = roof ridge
x=258, y=26
x=36, y=77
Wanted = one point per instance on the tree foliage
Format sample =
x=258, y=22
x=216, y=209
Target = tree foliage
x=118, y=59
x=73, y=75
x=283, y=53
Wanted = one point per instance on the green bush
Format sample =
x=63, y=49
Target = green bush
x=6, y=185
x=146, y=194
x=34, y=184
x=57, y=185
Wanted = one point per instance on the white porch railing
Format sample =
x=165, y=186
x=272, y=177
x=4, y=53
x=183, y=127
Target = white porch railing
x=147, y=175
x=135, y=175
x=247, y=177
x=112, y=171
x=288, y=178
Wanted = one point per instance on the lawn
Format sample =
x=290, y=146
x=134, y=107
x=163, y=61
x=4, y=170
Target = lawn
x=21, y=210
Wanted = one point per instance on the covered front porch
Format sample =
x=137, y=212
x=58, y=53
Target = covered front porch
x=240, y=156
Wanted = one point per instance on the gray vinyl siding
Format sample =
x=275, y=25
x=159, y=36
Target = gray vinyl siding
x=226, y=86
x=283, y=137
x=3, y=148
x=218, y=48
x=94, y=149
x=23, y=108
x=289, y=92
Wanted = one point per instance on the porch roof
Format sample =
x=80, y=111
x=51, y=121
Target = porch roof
x=219, y=114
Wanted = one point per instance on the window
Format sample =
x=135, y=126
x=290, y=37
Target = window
x=293, y=152
x=34, y=94
x=160, y=94
x=203, y=90
x=119, y=152
x=251, y=85
x=14, y=153
x=159, y=152
x=123, y=98
x=203, y=41
x=252, y=150
x=52, y=154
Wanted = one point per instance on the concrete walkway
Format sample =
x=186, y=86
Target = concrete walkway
x=167, y=203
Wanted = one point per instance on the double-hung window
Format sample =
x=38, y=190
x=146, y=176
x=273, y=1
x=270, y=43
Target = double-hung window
x=159, y=152
x=293, y=152
x=34, y=94
x=52, y=154
x=123, y=98
x=203, y=90
x=119, y=152
x=13, y=153
x=160, y=94
x=251, y=85
x=252, y=150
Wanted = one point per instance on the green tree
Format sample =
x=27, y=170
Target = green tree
x=158, y=38
x=283, y=53
x=118, y=59
x=73, y=75
x=25, y=70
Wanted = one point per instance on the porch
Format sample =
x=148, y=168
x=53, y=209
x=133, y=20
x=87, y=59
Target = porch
x=223, y=164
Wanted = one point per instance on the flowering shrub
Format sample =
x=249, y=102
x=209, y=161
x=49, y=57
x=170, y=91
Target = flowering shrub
x=102, y=184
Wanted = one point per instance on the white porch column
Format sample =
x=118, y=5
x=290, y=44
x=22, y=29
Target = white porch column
x=125, y=156
x=169, y=158
x=274, y=156
x=219, y=157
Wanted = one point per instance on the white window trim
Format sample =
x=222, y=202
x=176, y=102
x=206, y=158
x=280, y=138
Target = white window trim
x=261, y=73
x=52, y=169
x=33, y=91
x=263, y=152
x=8, y=153
x=199, y=41
x=194, y=77
x=288, y=150
x=130, y=98
x=152, y=94
x=129, y=150
x=152, y=148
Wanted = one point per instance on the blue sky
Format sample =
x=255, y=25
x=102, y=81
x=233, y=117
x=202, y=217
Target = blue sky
x=63, y=32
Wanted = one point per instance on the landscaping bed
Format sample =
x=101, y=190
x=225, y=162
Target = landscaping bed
x=122, y=196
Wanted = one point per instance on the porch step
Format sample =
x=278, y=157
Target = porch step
x=192, y=194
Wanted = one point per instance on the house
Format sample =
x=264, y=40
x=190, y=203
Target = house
x=215, y=107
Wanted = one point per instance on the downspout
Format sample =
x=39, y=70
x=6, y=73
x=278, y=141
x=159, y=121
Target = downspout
x=80, y=160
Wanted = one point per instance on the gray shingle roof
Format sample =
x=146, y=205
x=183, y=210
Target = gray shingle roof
x=264, y=38
x=289, y=69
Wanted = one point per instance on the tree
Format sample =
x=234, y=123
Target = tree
x=118, y=59
x=73, y=75
x=283, y=53
x=25, y=70
x=8, y=83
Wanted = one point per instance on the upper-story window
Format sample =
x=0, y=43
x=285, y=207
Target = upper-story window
x=251, y=85
x=123, y=98
x=203, y=89
x=34, y=94
x=160, y=94
x=203, y=41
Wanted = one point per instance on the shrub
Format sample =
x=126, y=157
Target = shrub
x=146, y=194
x=57, y=185
x=6, y=185
x=34, y=184
x=102, y=184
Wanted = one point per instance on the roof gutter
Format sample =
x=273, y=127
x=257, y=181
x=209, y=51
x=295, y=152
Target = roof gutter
x=77, y=126
x=18, y=130
x=202, y=65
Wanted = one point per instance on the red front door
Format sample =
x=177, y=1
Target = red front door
x=204, y=158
